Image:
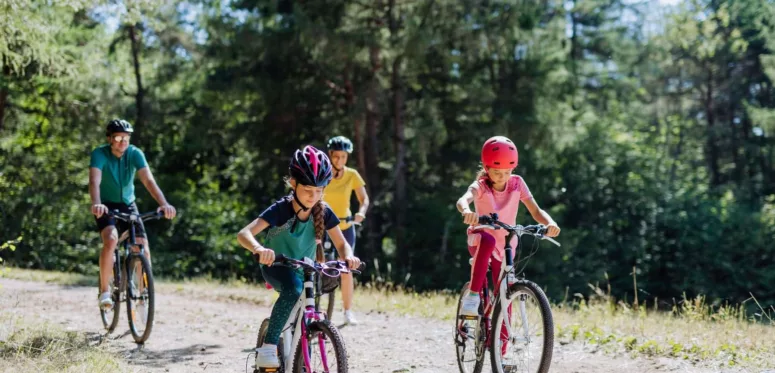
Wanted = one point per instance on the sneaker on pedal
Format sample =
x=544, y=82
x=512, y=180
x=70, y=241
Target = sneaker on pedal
x=470, y=305
x=349, y=318
x=105, y=301
x=266, y=357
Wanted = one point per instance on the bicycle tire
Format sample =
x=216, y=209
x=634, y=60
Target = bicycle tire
x=149, y=298
x=331, y=297
x=477, y=368
x=332, y=334
x=529, y=287
x=110, y=318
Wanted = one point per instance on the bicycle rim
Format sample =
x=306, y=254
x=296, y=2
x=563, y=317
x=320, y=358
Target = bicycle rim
x=528, y=348
x=326, y=350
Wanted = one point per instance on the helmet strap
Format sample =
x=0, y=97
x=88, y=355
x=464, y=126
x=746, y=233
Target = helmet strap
x=296, y=213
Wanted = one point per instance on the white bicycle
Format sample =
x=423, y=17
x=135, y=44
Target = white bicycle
x=309, y=342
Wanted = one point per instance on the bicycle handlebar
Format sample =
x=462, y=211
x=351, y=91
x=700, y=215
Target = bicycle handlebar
x=338, y=266
x=350, y=219
x=538, y=230
x=151, y=215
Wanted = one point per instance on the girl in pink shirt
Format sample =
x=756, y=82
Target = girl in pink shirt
x=495, y=190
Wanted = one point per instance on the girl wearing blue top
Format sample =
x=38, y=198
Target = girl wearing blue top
x=291, y=232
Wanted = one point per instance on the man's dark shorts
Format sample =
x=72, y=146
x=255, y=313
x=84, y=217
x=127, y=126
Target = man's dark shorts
x=121, y=226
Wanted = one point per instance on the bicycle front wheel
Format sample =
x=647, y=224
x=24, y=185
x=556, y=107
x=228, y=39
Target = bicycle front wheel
x=522, y=331
x=140, y=298
x=325, y=348
x=469, y=339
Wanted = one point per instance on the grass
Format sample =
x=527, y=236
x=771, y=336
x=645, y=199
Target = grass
x=48, y=348
x=695, y=331
x=723, y=336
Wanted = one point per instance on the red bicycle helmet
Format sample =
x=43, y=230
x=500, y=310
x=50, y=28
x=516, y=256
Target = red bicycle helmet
x=499, y=152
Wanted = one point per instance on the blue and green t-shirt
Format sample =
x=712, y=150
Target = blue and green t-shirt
x=301, y=242
x=118, y=174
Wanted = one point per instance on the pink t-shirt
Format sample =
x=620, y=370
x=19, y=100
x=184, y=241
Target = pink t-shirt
x=505, y=204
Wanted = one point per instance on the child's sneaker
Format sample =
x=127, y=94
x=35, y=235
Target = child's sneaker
x=105, y=301
x=470, y=305
x=266, y=357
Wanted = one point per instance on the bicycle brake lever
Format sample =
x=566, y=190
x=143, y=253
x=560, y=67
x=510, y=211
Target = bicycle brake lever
x=551, y=240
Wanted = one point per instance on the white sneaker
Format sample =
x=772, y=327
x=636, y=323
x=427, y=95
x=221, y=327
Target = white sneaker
x=266, y=357
x=470, y=305
x=105, y=301
x=349, y=318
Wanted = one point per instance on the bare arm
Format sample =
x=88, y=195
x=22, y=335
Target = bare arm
x=463, y=205
x=343, y=248
x=146, y=177
x=363, y=200
x=95, y=179
x=247, y=236
x=542, y=217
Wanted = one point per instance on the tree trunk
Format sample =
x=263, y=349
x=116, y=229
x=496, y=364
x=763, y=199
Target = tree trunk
x=355, y=114
x=140, y=94
x=711, y=148
x=400, y=165
x=374, y=244
x=4, y=94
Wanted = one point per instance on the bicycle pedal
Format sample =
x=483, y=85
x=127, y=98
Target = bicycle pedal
x=467, y=317
x=268, y=370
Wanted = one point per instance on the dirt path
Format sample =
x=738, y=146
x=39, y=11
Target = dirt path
x=195, y=335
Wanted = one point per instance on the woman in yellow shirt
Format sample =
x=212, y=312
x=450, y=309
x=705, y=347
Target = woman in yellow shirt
x=337, y=195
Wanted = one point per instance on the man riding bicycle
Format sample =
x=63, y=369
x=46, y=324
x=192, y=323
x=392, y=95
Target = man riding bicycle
x=337, y=194
x=119, y=161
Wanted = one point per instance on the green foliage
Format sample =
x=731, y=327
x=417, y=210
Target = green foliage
x=652, y=149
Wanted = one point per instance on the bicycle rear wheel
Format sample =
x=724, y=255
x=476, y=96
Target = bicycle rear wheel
x=140, y=299
x=528, y=316
x=326, y=350
x=470, y=336
x=326, y=302
x=110, y=316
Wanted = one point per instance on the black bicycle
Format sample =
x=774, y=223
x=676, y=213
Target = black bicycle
x=132, y=280
x=326, y=298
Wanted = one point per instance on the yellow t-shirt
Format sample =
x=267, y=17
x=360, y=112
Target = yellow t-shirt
x=337, y=194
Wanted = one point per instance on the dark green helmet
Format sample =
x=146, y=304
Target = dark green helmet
x=340, y=143
x=118, y=125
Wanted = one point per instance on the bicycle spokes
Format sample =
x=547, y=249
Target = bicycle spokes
x=521, y=339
